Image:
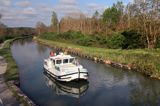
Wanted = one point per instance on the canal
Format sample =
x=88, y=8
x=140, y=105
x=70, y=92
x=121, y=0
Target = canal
x=106, y=86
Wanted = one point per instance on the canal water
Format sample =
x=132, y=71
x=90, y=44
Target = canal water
x=106, y=86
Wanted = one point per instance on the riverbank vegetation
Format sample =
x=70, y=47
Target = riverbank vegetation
x=124, y=40
x=127, y=34
x=137, y=21
x=12, y=75
x=12, y=70
x=142, y=60
x=12, y=32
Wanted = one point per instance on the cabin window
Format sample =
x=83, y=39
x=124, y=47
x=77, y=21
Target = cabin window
x=58, y=61
x=71, y=60
x=65, y=61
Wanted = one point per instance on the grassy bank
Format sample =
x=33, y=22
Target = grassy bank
x=142, y=60
x=12, y=74
x=12, y=69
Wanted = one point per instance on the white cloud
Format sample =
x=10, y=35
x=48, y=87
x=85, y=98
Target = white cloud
x=67, y=7
x=92, y=7
x=68, y=2
x=23, y=3
x=5, y=2
x=95, y=6
x=47, y=9
x=44, y=8
x=25, y=14
x=29, y=11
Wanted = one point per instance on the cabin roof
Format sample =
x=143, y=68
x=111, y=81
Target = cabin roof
x=59, y=57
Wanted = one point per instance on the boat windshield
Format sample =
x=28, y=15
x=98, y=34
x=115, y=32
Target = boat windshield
x=65, y=61
x=58, y=61
x=71, y=60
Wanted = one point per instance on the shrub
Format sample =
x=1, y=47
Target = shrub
x=85, y=41
x=126, y=40
x=49, y=36
x=132, y=40
x=158, y=43
x=115, y=41
x=3, y=38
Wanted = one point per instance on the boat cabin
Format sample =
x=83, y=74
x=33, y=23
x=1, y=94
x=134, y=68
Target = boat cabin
x=66, y=59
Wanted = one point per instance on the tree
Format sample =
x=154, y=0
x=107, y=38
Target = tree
x=119, y=6
x=111, y=17
x=122, y=23
x=40, y=27
x=2, y=27
x=54, y=21
x=96, y=22
x=96, y=15
x=147, y=21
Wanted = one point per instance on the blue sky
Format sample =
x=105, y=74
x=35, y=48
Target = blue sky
x=17, y=13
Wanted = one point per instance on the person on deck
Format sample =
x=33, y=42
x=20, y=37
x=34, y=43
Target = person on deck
x=52, y=53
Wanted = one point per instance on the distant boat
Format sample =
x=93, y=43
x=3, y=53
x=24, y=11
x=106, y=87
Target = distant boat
x=64, y=67
x=73, y=89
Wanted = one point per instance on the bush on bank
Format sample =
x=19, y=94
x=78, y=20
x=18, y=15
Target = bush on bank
x=3, y=38
x=132, y=40
x=158, y=43
x=117, y=40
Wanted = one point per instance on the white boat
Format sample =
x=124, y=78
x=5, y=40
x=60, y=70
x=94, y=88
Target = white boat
x=64, y=68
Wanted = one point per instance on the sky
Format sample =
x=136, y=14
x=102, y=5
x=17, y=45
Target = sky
x=26, y=13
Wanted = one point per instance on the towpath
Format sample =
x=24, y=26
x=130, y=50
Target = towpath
x=6, y=96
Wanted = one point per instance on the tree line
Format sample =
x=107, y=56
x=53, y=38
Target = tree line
x=11, y=32
x=135, y=25
x=138, y=22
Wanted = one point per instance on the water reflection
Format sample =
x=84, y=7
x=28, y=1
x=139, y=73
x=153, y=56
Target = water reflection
x=23, y=42
x=41, y=49
x=74, y=89
x=146, y=93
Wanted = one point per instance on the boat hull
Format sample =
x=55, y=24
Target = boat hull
x=68, y=77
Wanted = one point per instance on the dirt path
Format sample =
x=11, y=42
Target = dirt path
x=6, y=96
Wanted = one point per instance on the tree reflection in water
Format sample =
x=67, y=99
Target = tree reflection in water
x=41, y=48
x=23, y=41
x=150, y=96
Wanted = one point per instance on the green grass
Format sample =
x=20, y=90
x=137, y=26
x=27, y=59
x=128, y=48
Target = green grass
x=145, y=61
x=12, y=69
x=11, y=72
